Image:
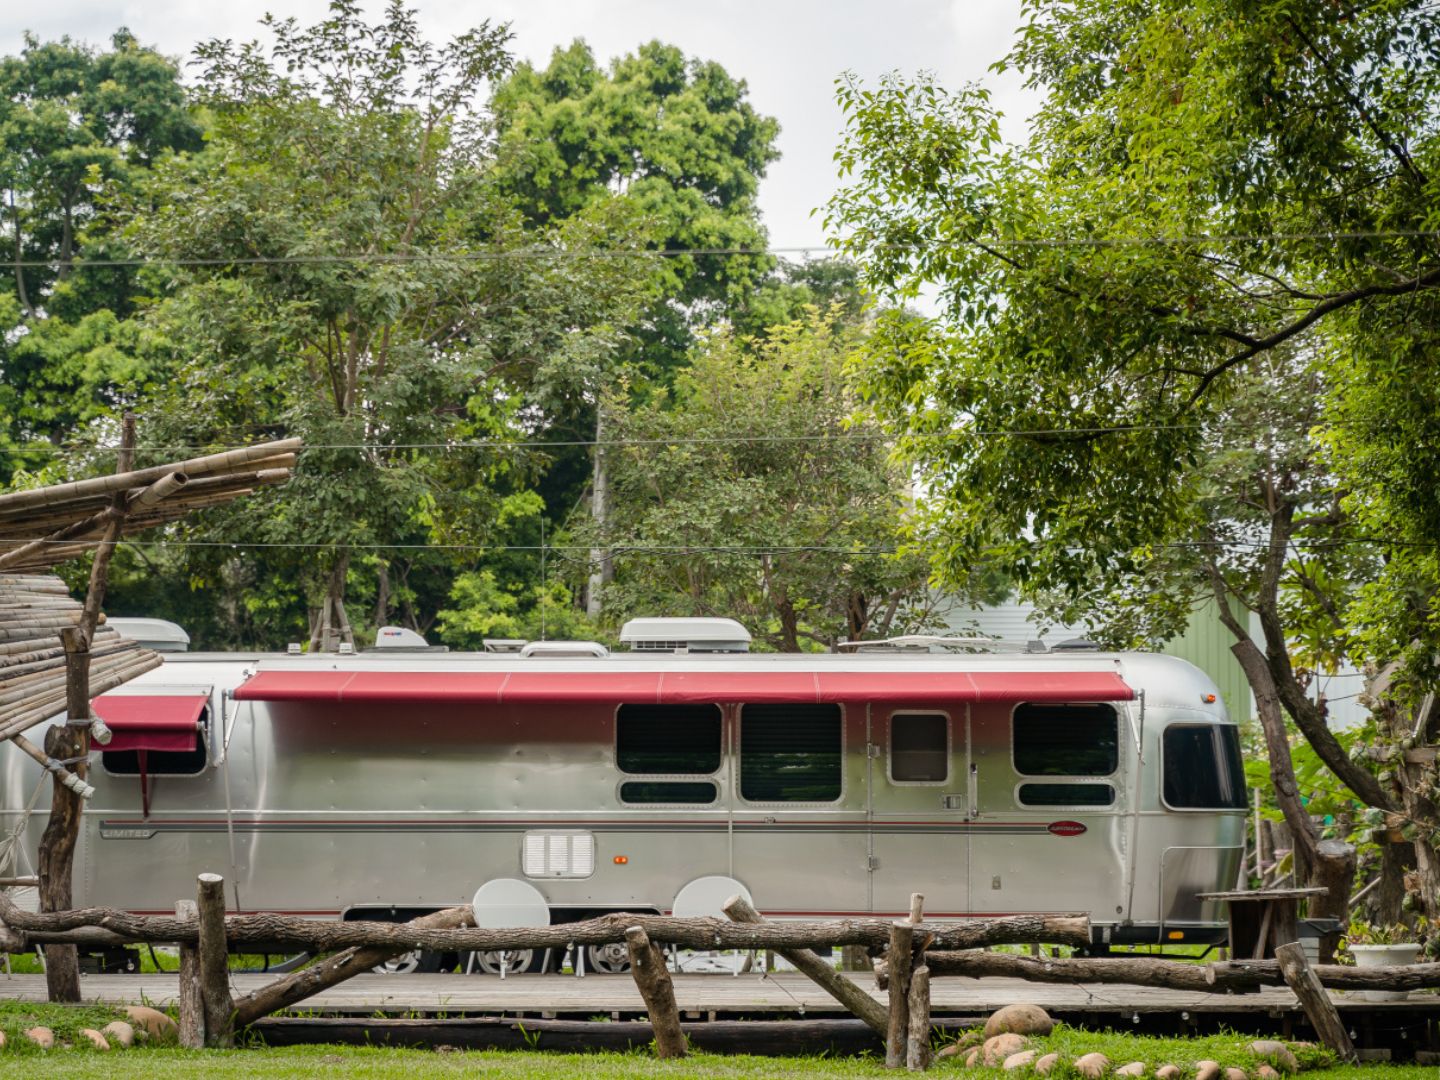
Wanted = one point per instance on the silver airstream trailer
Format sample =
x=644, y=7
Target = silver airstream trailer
x=386, y=783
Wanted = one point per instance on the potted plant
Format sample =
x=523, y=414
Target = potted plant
x=1383, y=946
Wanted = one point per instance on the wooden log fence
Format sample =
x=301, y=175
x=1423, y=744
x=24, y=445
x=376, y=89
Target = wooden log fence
x=652, y=978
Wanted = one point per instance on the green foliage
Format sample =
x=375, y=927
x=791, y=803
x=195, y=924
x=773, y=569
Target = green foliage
x=674, y=138
x=77, y=126
x=791, y=527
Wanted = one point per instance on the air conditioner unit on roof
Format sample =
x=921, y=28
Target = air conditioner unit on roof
x=685, y=635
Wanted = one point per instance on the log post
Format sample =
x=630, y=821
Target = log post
x=818, y=971
x=214, y=965
x=897, y=1034
x=1319, y=1009
x=917, y=1047
x=57, y=843
x=647, y=965
x=1335, y=871
x=192, y=1006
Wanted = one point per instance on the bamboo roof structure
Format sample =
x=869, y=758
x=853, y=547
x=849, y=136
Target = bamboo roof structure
x=43, y=527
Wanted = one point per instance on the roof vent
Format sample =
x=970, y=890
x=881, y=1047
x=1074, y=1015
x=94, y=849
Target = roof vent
x=1075, y=645
x=503, y=644
x=685, y=635
x=398, y=637
x=564, y=648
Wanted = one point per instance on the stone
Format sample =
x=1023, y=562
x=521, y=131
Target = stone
x=1207, y=1070
x=1233, y=1073
x=42, y=1037
x=1019, y=1019
x=1167, y=1072
x=119, y=1033
x=155, y=1023
x=972, y=1058
x=999, y=1047
x=1022, y=1060
x=1276, y=1053
x=96, y=1038
x=1266, y=1072
x=1135, y=1068
x=1092, y=1066
x=1046, y=1063
x=953, y=1050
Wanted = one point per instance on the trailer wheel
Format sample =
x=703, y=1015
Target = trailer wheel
x=517, y=961
x=415, y=962
x=611, y=959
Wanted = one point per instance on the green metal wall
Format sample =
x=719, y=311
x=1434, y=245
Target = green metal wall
x=1206, y=644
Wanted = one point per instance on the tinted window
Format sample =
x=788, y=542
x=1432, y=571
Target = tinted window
x=790, y=753
x=919, y=747
x=1066, y=740
x=1066, y=794
x=667, y=738
x=667, y=791
x=157, y=762
x=1203, y=768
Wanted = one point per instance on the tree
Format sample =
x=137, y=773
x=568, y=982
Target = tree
x=76, y=127
x=1218, y=199
x=676, y=138
x=746, y=492
x=338, y=264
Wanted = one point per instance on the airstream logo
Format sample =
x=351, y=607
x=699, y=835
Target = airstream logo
x=1066, y=828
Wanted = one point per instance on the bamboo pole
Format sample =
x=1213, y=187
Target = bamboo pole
x=209, y=464
x=647, y=966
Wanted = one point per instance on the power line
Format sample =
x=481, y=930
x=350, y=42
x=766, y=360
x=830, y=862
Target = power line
x=697, y=440
x=537, y=253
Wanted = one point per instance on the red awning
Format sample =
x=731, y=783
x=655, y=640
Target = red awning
x=683, y=687
x=152, y=721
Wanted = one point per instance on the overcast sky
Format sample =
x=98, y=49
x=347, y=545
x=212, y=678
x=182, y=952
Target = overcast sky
x=789, y=51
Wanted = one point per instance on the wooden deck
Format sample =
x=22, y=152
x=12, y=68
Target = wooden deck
x=785, y=994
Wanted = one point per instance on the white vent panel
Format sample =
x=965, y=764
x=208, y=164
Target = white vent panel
x=558, y=854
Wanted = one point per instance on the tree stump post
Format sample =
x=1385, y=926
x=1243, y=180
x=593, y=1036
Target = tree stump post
x=192, y=1005
x=57, y=843
x=216, y=1003
x=647, y=965
x=739, y=910
x=917, y=1048
x=897, y=1034
x=1319, y=1009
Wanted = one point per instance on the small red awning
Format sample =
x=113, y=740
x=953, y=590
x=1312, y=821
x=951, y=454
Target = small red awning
x=152, y=721
x=683, y=687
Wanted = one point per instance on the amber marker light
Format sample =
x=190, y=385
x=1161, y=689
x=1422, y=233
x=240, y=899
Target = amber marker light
x=1176, y=935
x=621, y=860
x=1209, y=699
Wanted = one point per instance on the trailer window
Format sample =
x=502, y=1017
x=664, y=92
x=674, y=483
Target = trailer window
x=1066, y=794
x=1203, y=770
x=1066, y=740
x=653, y=739
x=790, y=753
x=919, y=747
x=157, y=762
x=689, y=792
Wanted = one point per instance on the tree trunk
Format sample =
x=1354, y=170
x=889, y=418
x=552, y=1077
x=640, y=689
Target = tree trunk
x=57, y=843
x=647, y=965
x=215, y=1000
x=1319, y=1009
x=602, y=572
x=382, y=595
x=902, y=937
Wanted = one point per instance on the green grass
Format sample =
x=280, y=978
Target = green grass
x=19, y=1058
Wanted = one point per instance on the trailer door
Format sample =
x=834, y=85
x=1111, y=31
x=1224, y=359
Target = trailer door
x=1047, y=835
x=919, y=806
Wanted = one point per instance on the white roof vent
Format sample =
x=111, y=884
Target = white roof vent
x=399, y=637
x=160, y=635
x=685, y=635
x=565, y=648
